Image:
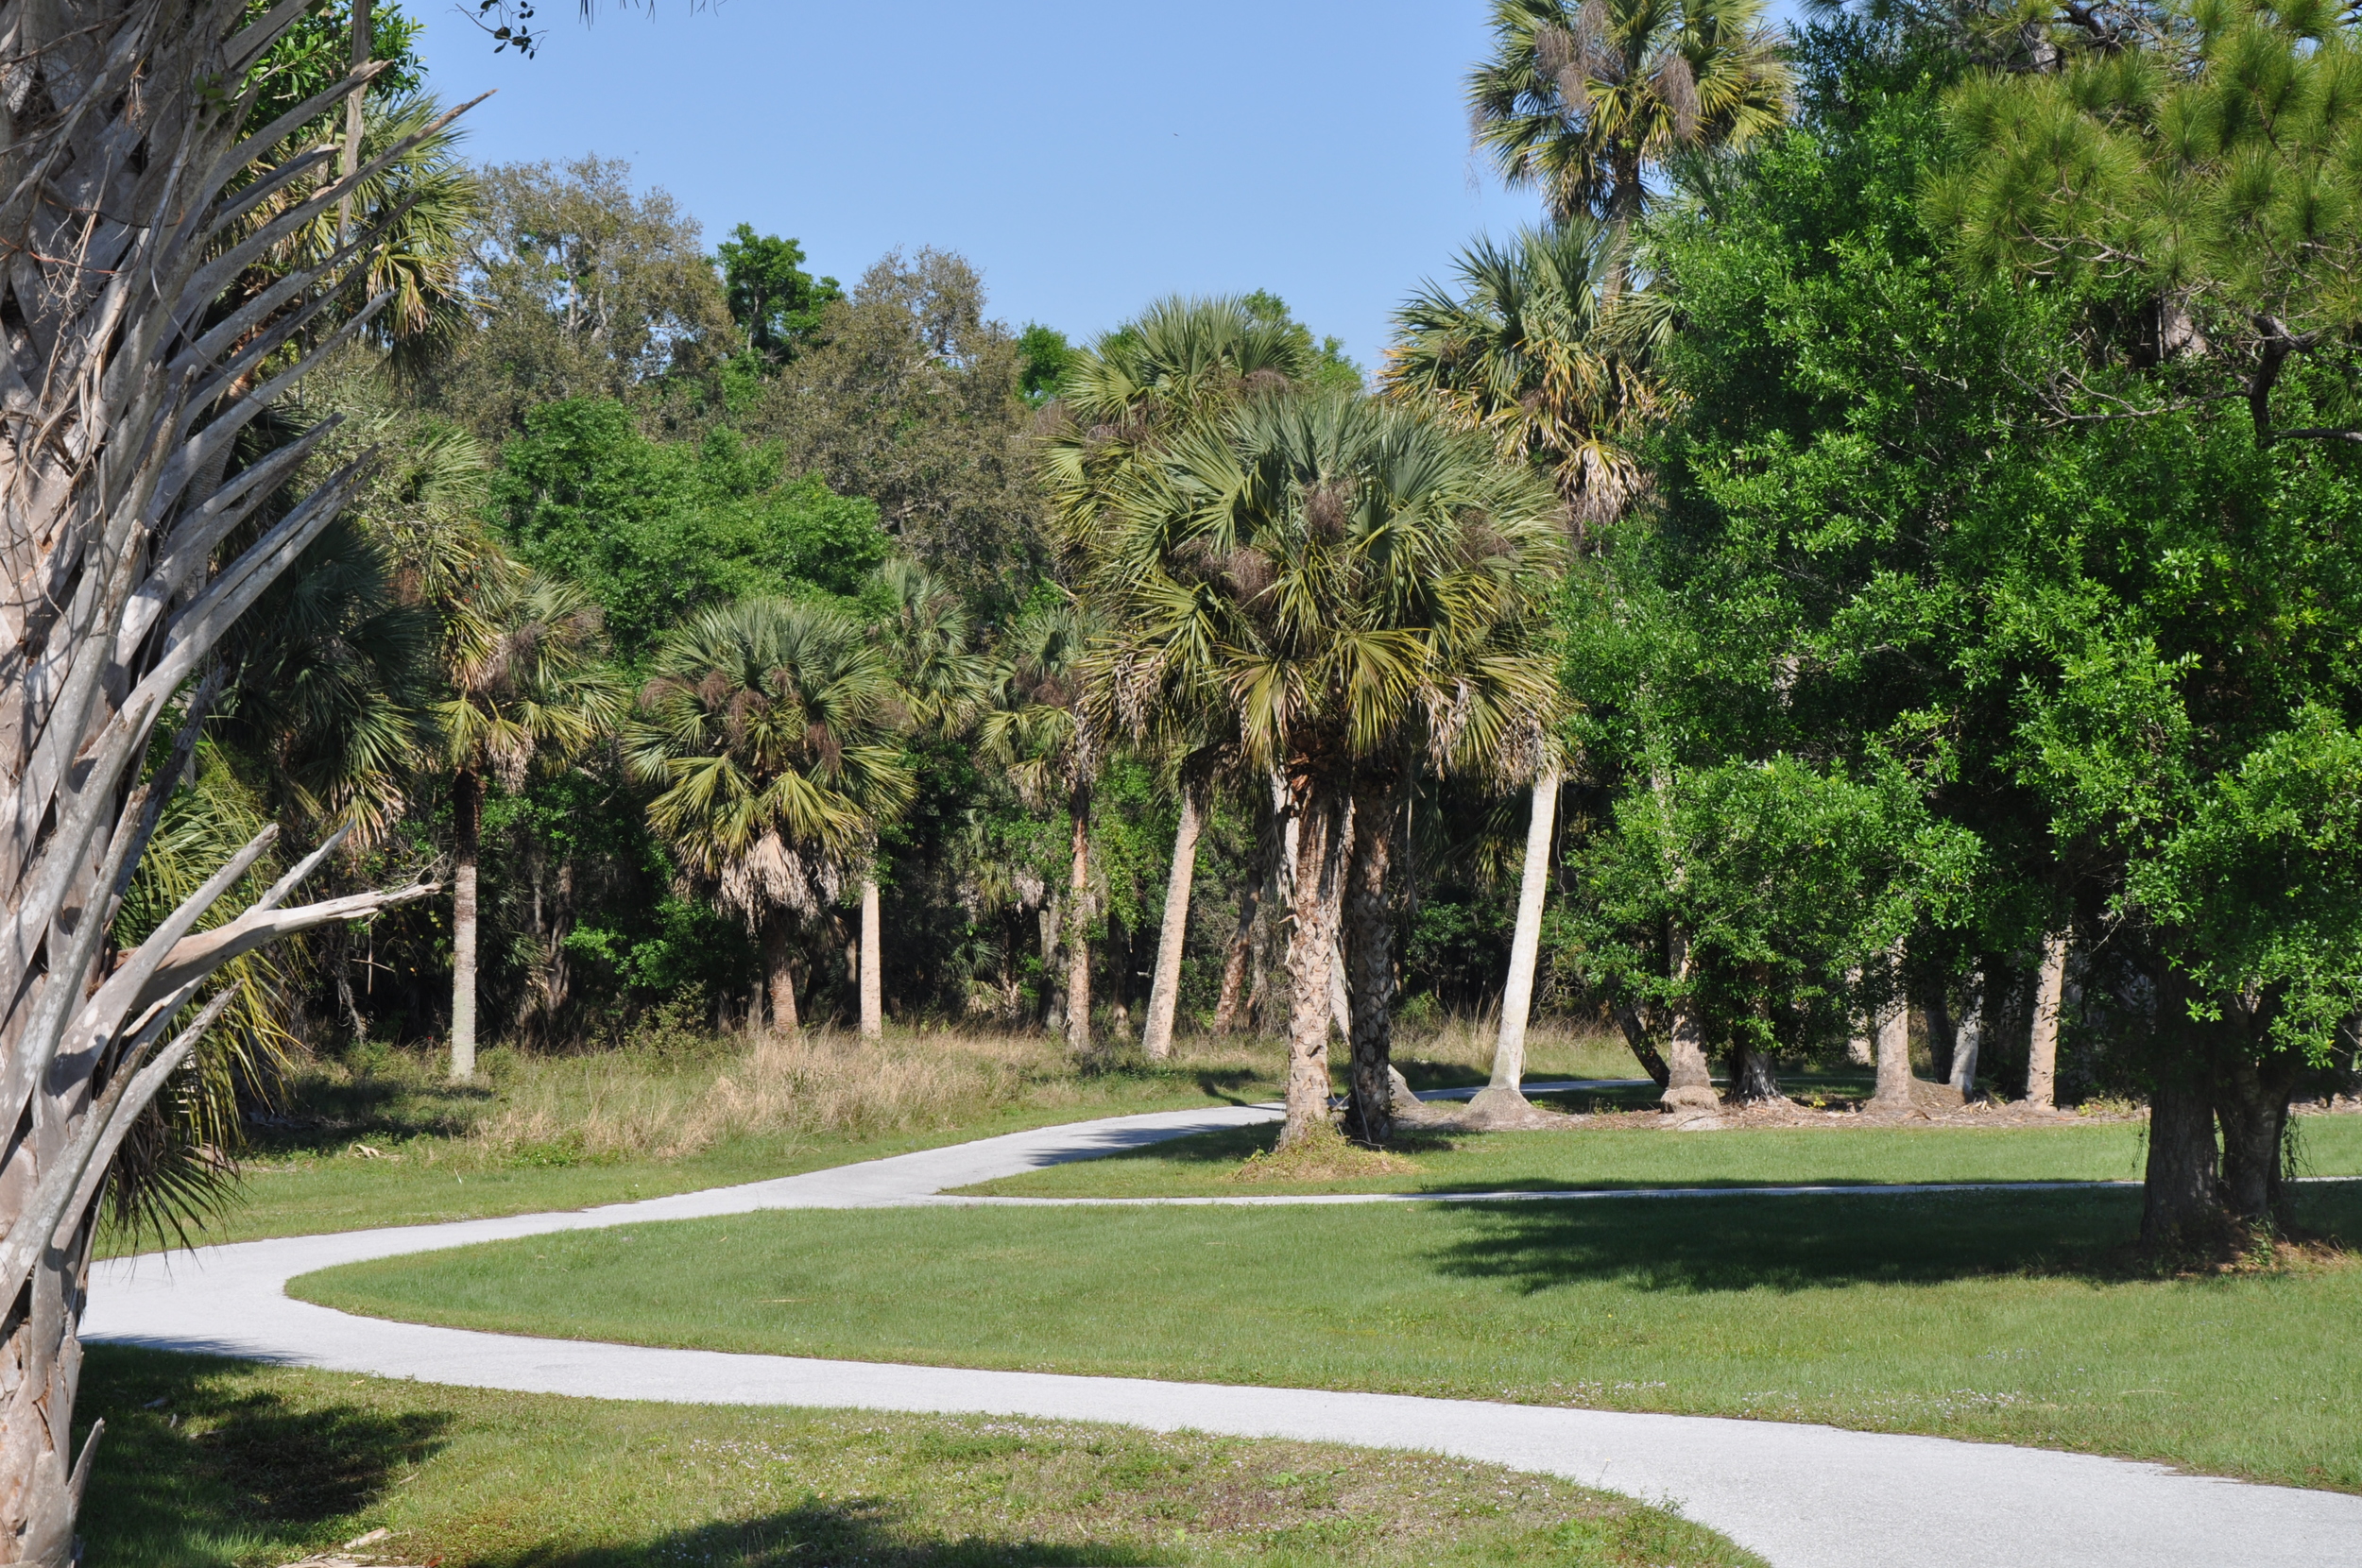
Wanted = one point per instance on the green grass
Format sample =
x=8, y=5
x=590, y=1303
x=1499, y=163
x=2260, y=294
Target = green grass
x=1208, y=1165
x=218, y=1464
x=2011, y=1317
x=384, y=1141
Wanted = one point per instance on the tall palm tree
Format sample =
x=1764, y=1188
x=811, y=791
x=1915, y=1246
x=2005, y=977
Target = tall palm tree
x=1041, y=731
x=943, y=683
x=1537, y=350
x=769, y=725
x=1588, y=102
x=1364, y=588
x=526, y=685
x=1185, y=363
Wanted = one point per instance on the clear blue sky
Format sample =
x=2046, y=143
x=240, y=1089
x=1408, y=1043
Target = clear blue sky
x=1086, y=158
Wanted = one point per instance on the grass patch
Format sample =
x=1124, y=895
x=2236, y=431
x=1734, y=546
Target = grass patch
x=382, y=1139
x=220, y=1464
x=1321, y=1156
x=1208, y=1165
x=2014, y=1317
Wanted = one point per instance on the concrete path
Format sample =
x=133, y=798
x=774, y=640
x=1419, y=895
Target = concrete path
x=1802, y=1496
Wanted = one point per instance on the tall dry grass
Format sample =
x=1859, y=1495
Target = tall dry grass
x=1556, y=1047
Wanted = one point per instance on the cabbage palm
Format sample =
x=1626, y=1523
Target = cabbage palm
x=1041, y=731
x=526, y=685
x=943, y=684
x=1537, y=350
x=1588, y=101
x=1358, y=587
x=769, y=725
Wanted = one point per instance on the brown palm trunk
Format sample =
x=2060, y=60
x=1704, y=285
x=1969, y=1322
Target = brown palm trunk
x=1078, y=951
x=350, y=158
x=778, y=971
x=1370, y=959
x=1643, y=1050
x=872, y=961
x=467, y=809
x=1164, y=992
x=1318, y=892
x=1229, y=1006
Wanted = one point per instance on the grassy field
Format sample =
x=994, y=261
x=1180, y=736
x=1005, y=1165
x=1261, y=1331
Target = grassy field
x=1209, y=1165
x=2013, y=1317
x=384, y=1140
x=215, y=1464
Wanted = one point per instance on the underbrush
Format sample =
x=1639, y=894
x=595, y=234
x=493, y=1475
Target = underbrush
x=1321, y=1155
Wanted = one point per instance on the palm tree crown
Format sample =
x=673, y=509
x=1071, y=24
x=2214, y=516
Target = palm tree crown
x=768, y=723
x=1539, y=351
x=1586, y=101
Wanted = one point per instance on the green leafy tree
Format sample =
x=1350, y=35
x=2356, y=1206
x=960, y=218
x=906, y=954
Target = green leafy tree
x=768, y=731
x=774, y=301
x=1043, y=354
x=658, y=531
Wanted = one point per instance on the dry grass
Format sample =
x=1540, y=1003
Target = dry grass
x=1556, y=1047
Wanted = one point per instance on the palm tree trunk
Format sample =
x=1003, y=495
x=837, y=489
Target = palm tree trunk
x=872, y=971
x=1318, y=891
x=2042, y=1059
x=1509, y=1046
x=778, y=971
x=1688, y=1080
x=1078, y=953
x=1370, y=958
x=467, y=803
x=1975, y=1015
x=1234, y=965
x=1164, y=991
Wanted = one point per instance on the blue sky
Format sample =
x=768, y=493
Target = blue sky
x=1086, y=158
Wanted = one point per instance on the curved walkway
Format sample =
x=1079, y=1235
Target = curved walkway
x=1802, y=1496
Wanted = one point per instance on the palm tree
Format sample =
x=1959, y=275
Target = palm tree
x=944, y=684
x=1588, y=102
x=1362, y=588
x=769, y=726
x=526, y=686
x=1540, y=352
x=1040, y=731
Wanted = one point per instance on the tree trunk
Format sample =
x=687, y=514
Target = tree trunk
x=350, y=160
x=2251, y=1105
x=1943, y=1039
x=872, y=965
x=1050, y=920
x=1164, y=991
x=778, y=971
x=1970, y=1036
x=1505, y=1091
x=2041, y=1057
x=1229, y=1008
x=467, y=810
x=1370, y=967
x=1858, y=1049
x=1688, y=1080
x=1318, y=891
x=1636, y=1036
x=1078, y=948
x=1894, y=1035
x=2181, y=1209
x=1754, y=1075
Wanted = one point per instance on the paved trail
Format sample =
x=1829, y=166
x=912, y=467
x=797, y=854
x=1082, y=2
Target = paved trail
x=1802, y=1496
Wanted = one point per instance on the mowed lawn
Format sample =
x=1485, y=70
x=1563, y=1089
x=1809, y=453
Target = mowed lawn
x=1208, y=1165
x=2009, y=1316
x=222, y=1464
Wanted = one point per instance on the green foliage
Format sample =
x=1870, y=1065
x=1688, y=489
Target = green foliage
x=658, y=531
x=1043, y=355
x=774, y=301
x=315, y=51
x=1328, y=367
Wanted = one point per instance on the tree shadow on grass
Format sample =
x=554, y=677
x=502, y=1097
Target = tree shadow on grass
x=197, y=1451
x=873, y=1534
x=1796, y=1243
